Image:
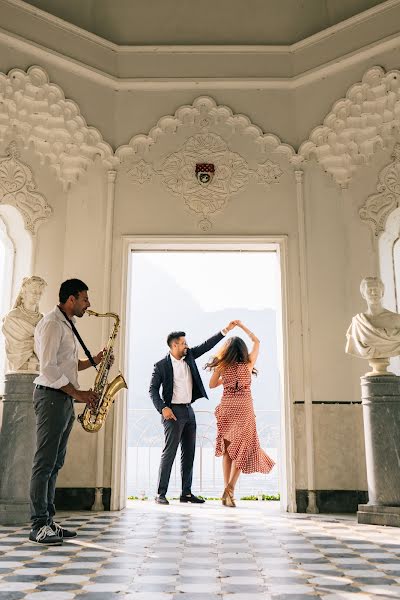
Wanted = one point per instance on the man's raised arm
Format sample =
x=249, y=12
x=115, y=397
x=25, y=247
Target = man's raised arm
x=212, y=341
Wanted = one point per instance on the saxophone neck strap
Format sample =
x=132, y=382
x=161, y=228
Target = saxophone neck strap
x=80, y=340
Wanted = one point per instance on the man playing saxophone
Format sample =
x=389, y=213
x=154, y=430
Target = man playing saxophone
x=56, y=389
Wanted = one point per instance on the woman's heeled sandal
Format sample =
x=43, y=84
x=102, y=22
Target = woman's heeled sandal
x=227, y=497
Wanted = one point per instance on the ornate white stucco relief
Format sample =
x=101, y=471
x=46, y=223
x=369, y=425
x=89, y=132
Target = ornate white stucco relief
x=204, y=134
x=36, y=112
x=231, y=175
x=268, y=172
x=366, y=120
x=18, y=188
x=377, y=207
x=140, y=172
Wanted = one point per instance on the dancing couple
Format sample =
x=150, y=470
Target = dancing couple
x=237, y=441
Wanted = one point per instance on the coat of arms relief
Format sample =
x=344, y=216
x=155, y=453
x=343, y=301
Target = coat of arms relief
x=204, y=172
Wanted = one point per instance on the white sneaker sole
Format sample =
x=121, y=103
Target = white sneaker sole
x=59, y=543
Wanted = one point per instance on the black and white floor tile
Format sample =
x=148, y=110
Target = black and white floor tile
x=204, y=552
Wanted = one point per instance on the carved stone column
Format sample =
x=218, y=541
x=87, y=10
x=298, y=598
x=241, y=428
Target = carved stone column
x=381, y=412
x=17, y=447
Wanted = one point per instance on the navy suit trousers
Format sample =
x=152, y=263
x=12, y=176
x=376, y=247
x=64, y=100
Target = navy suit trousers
x=183, y=432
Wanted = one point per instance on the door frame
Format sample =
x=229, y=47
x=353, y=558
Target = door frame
x=276, y=243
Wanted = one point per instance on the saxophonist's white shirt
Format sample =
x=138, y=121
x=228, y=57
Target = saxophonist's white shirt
x=57, y=350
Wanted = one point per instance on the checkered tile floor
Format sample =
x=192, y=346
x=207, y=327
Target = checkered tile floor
x=207, y=552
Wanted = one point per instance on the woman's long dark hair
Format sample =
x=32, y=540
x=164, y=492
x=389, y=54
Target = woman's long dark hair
x=233, y=351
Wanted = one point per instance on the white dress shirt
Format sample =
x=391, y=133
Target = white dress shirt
x=183, y=382
x=57, y=350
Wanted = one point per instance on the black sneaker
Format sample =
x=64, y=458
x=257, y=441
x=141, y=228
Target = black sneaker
x=161, y=500
x=192, y=498
x=61, y=532
x=45, y=535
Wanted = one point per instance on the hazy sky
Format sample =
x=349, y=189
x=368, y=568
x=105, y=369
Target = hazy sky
x=200, y=292
x=212, y=277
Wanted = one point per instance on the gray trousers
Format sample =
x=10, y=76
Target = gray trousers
x=183, y=432
x=54, y=419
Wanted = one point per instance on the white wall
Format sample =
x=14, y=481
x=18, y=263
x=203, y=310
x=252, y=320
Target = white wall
x=339, y=248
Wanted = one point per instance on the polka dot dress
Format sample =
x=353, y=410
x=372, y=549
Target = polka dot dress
x=236, y=423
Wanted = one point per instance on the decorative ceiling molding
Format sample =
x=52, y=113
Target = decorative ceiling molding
x=366, y=120
x=18, y=188
x=36, y=112
x=204, y=114
x=378, y=207
x=203, y=136
x=366, y=35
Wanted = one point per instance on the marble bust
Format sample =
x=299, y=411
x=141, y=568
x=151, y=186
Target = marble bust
x=374, y=334
x=19, y=326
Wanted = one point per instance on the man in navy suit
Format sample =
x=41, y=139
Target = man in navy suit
x=181, y=383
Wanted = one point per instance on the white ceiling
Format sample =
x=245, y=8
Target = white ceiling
x=175, y=22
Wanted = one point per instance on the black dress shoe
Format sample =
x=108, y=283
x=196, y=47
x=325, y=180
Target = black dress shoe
x=161, y=500
x=192, y=498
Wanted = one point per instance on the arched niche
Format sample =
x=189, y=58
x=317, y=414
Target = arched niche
x=15, y=263
x=381, y=212
x=389, y=260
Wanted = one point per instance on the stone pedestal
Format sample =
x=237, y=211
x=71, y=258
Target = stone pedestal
x=17, y=447
x=381, y=413
x=379, y=515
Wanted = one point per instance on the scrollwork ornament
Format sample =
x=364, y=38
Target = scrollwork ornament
x=140, y=172
x=211, y=132
x=18, y=188
x=390, y=179
x=231, y=175
x=268, y=173
x=377, y=207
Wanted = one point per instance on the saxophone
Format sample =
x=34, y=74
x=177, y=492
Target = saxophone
x=92, y=419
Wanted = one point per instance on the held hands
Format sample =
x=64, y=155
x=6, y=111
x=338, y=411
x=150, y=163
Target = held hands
x=231, y=325
x=239, y=323
x=168, y=414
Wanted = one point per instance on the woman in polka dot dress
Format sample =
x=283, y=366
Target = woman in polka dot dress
x=237, y=440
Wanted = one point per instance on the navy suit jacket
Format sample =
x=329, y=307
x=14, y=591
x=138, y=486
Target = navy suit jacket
x=163, y=375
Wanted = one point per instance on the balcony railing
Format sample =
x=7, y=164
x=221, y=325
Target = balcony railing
x=146, y=440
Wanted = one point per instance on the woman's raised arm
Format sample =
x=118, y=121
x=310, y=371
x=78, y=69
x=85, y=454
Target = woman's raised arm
x=253, y=354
